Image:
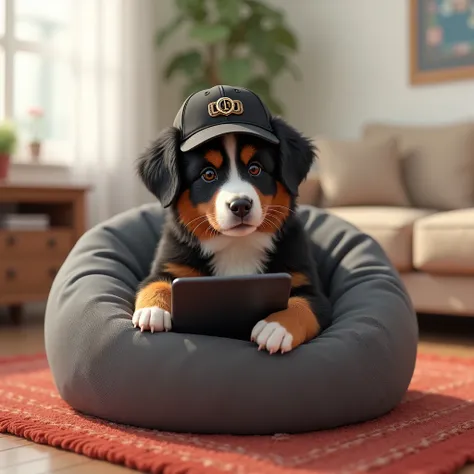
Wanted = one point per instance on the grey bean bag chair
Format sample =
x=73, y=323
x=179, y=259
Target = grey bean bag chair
x=356, y=370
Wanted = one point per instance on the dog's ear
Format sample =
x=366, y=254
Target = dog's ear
x=158, y=166
x=297, y=154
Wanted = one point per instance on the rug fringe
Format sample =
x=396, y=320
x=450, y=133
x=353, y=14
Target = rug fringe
x=110, y=451
x=460, y=448
x=446, y=457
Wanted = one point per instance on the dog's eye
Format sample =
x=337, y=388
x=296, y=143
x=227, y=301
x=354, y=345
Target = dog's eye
x=209, y=175
x=255, y=169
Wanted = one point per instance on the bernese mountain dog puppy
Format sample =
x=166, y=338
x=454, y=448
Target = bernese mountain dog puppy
x=228, y=174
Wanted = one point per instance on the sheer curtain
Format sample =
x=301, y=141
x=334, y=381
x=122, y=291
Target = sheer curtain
x=114, y=102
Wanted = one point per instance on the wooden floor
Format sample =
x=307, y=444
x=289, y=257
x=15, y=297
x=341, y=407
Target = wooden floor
x=450, y=336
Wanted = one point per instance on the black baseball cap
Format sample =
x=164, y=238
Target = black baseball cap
x=222, y=109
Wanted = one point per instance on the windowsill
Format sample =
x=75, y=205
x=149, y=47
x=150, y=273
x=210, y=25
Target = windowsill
x=41, y=165
x=40, y=173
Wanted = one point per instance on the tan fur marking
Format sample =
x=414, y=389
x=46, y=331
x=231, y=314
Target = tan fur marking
x=200, y=220
x=157, y=293
x=215, y=158
x=298, y=319
x=247, y=153
x=299, y=279
x=181, y=271
x=275, y=208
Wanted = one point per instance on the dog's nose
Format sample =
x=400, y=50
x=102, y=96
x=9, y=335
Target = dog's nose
x=240, y=207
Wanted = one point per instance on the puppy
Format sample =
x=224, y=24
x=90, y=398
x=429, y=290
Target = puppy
x=230, y=204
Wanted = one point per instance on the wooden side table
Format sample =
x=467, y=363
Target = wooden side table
x=29, y=260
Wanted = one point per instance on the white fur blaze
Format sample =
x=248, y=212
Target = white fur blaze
x=235, y=187
x=152, y=319
x=272, y=336
x=241, y=253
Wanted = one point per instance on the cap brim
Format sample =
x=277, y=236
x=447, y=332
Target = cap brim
x=217, y=130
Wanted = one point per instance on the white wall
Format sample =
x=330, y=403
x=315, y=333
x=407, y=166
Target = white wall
x=355, y=58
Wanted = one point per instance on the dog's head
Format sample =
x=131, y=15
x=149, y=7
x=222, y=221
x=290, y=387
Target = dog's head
x=232, y=184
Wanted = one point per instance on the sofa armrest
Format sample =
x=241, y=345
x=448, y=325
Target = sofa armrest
x=310, y=192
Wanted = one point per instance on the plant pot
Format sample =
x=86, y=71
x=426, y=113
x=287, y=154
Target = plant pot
x=4, y=165
x=35, y=150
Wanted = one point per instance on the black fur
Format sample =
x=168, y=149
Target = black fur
x=167, y=172
x=158, y=167
x=297, y=154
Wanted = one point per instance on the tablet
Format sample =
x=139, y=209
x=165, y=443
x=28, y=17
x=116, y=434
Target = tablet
x=227, y=306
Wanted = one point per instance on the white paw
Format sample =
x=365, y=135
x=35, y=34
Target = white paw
x=152, y=319
x=271, y=336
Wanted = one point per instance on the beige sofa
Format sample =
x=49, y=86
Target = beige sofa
x=412, y=189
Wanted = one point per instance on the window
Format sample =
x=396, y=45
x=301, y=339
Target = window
x=36, y=71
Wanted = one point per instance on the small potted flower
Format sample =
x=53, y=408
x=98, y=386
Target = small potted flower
x=8, y=141
x=36, y=115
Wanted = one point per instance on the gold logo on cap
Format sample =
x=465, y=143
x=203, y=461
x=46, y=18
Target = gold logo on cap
x=225, y=106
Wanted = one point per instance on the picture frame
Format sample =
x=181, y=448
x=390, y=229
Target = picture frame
x=441, y=41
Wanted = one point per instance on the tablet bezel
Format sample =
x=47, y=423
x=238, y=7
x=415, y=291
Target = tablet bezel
x=214, y=305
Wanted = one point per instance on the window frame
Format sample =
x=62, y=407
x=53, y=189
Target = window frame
x=11, y=46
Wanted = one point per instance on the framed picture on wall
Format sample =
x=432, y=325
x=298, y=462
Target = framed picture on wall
x=442, y=40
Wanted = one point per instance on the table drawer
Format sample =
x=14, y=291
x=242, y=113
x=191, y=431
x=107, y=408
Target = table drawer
x=28, y=277
x=21, y=244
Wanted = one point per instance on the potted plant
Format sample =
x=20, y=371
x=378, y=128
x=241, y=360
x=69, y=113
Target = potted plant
x=244, y=43
x=36, y=116
x=8, y=141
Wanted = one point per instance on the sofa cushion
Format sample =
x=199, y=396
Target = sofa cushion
x=360, y=173
x=443, y=243
x=437, y=161
x=391, y=227
x=440, y=294
x=310, y=190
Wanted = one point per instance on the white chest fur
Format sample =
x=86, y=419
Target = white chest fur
x=233, y=256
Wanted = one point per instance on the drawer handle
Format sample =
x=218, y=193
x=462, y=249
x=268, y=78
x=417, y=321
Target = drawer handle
x=52, y=243
x=52, y=272
x=11, y=241
x=10, y=273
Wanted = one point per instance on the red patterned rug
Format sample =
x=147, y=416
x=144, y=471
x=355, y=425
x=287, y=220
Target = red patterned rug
x=431, y=431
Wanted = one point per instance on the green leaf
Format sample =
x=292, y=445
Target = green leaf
x=8, y=137
x=259, y=84
x=229, y=10
x=275, y=62
x=163, y=34
x=235, y=71
x=258, y=41
x=188, y=63
x=187, y=4
x=261, y=9
x=236, y=37
x=284, y=37
x=210, y=34
x=196, y=9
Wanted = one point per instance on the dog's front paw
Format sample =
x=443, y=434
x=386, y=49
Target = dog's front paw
x=287, y=329
x=272, y=336
x=152, y=319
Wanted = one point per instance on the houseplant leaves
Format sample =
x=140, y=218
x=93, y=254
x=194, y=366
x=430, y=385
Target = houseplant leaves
x=236, y=42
